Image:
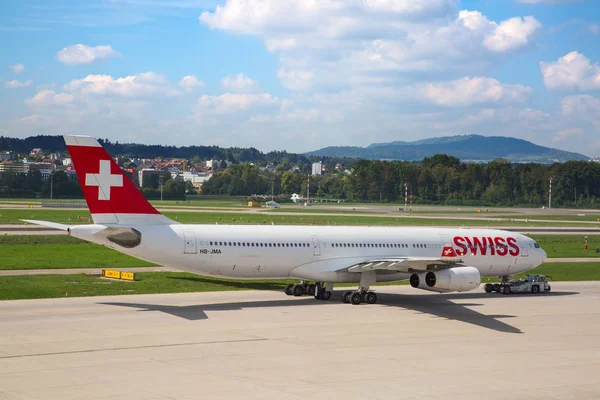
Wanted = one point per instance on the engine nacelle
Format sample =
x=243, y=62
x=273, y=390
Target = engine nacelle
x=459, y=279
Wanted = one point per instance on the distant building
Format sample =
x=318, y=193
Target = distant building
x=145, y=174
x=66, y=162
x=317, y=168
x=31, y=166
x=7, y=155
x=195, y=178
x=36, y=152
x=270, y=168
x=12, y=167
x=215, y=164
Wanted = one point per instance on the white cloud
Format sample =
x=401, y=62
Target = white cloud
x=571, y=72
x=300, y=115
x=17, y=68
x=295, y=80
x=583, y=107
x=566, y=134
x=468, y=91
x=234, y=102
x=49, y=98
x=80, y=54
x=190, y=82
x=258, y=16
x=140, y=85
x=351, y=43
x=239, y=83
x=17, y=84
x=511, y=34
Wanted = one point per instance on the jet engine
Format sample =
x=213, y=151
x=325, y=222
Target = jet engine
x=459, y=279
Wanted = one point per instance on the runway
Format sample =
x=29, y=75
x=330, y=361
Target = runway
x=264, y=345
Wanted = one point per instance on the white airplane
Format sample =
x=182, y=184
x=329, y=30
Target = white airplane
x=434, y=259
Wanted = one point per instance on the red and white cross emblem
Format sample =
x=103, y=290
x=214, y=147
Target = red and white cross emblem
x=104, y=180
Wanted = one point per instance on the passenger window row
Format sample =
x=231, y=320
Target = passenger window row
x=370, y=245
x=388, y=245
x=257, y=244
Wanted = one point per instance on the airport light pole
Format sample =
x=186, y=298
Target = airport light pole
x=160, y=182
x=308, y=191
x=550, y=195
x=405, y=195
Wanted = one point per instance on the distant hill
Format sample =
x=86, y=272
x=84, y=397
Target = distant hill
x=469, y=148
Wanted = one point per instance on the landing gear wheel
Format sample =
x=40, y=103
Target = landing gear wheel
x=507, y=290
x=310, y=290
x=535, y=289
x=297, y=290
x=356, y=298
x=371, y=298
x=288, y=289
x=326, y=295
x=489, y=288
x=549, y=288
x=346, y=296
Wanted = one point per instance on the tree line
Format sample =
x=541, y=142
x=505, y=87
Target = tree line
x=440, y=179
x=61, y=186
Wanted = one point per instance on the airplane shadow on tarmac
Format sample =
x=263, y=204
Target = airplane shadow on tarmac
x=440, y=305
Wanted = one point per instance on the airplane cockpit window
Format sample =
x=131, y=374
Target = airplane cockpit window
x=537, y=246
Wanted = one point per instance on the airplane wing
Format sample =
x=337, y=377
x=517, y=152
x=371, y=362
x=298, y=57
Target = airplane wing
x=447, y=259
x=406, y=264
x=331, y=268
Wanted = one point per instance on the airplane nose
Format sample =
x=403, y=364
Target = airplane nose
x=544, y=255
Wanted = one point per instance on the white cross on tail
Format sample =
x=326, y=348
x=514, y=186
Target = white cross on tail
x=104, y=180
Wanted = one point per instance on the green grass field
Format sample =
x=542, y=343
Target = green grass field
x=567, y=246
x=80, y=216
x=585, y=271
x=51, y=286
x=317, y=211
x=59, y=252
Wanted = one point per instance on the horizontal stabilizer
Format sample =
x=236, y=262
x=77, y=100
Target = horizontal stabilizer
x=48, y=224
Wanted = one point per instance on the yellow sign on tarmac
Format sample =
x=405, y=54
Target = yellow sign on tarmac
x=128, y=276
x=111, y=274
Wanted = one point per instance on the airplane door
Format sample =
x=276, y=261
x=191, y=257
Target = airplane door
x=190, y=243
x=446, y=241
x=524, y=250
x=316, y=247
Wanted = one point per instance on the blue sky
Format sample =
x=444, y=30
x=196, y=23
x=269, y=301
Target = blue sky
x=302, y=74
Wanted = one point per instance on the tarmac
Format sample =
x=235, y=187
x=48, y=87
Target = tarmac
x=265, y=345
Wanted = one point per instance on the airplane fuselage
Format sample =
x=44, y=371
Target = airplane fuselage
x=318, y=253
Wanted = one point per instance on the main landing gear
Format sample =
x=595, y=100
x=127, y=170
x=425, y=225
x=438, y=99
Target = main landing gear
x=317, y=289
x=362, y=295
x=359, y=296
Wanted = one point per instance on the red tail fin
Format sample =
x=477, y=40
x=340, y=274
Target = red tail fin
x=111, y=197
